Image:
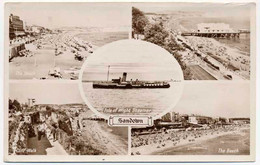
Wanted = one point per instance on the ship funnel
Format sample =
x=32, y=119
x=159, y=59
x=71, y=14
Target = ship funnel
x=124, y=77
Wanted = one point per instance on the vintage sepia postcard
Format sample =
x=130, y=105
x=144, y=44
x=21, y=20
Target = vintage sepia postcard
x=130, y=81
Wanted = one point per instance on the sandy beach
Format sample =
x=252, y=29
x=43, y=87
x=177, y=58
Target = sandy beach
x=155, y=146
x=233, y=143
x=104, y=139
x=59, y=56
x=50, y=52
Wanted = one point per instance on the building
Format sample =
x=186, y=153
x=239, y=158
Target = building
x=31, y=102
x=172, y=117
x=193, y=120
x=222, y=120
x=239, y=121
x=214, y=28
x=166, y=117
x=204, y=120
x=196, y=119
x=37, y=29
x=16, y=28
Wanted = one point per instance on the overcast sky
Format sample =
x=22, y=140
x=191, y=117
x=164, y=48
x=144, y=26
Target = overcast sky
x=141, y=60
x=53, y=15
x=46, y=93
x=226, y=99
x=238, y=11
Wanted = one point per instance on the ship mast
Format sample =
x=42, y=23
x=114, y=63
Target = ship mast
x=108, y=72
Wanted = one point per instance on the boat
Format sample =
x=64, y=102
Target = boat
x=122, y=83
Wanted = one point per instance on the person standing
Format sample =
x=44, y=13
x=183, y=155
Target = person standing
x=39, y=132
x=54, y=132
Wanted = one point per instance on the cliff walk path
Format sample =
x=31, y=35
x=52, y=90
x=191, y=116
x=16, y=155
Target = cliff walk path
x=44, y=146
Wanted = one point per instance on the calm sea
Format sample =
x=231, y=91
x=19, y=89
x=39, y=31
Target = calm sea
x=132, y=101
x=102, y=38
x=242, y=43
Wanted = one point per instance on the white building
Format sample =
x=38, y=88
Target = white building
x=36, y=29
x=193, y=120
x=214, y=28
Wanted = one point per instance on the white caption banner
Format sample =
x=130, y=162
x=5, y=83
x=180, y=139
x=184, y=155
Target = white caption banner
x=130, y=121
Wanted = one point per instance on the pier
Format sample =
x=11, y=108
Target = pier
x=213, y=35
x=216, y=30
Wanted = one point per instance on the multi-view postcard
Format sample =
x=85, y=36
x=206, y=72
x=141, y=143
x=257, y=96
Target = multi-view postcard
x=130, y=81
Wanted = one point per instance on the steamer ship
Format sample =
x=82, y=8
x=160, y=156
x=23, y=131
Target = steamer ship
x=122, y=83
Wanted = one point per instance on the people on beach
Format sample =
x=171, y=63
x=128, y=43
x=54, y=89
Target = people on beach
x=63, y=44
x=220, y=52
x=162, y=138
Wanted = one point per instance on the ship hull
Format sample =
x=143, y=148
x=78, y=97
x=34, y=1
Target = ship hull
x=129, y=86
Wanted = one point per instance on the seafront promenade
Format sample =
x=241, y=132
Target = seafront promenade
x=53, y=56
x=209, y=59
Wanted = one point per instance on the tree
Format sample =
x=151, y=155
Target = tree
x=139, y=21
x=155, y=33
x=172, y=45
x=17, y=105
x=187, y=74
x=10, y=104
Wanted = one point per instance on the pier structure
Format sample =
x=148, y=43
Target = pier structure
x=213, y=35
x=244, y=31
x=215, y=30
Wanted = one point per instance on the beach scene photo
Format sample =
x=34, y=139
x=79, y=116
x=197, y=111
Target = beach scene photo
x=131, y=77
x=208, y=120
x=52, y=40
x=129, y=81
x=208, y=43
x=47, y=123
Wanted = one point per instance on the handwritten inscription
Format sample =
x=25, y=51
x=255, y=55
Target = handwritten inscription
x=127, y=110
x=228, y=151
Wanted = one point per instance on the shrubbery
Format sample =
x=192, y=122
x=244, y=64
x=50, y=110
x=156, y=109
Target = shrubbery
x=157, y=34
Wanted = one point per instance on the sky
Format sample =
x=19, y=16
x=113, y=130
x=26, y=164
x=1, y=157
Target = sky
x=55, y=15
x=210, y=9
x=46, y=93
x=216, y=99
x=141, y=60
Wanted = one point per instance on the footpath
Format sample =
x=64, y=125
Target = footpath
x=45, y=146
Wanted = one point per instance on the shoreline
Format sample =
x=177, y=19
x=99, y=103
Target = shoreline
x=58, y=56
x=106, y=141
x=98, y=39
x=153, y=150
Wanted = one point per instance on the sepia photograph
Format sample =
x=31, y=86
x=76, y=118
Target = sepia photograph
x=41, y=121
x=208, y=43
x=52, y=40
x=208, y=120
x=129, y=82
x=131, y=77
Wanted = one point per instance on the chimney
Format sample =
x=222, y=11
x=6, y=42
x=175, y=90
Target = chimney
x=124, y=77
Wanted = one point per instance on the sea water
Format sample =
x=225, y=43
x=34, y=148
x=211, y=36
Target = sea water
x=242, y=43
x=133, y=101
